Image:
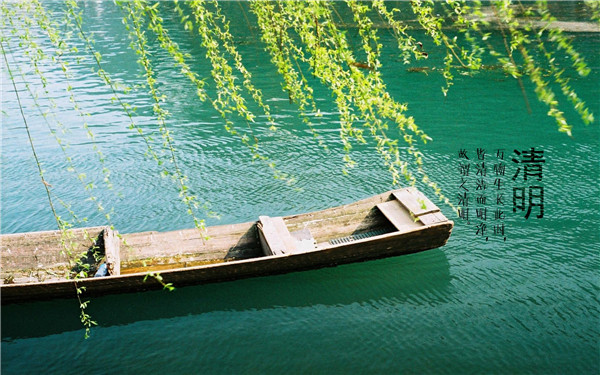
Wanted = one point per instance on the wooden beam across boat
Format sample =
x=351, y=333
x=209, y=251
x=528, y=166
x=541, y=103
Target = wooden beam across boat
x=41, y=265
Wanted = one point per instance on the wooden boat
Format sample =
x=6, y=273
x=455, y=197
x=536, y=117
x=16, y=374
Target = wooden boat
x=40, y=265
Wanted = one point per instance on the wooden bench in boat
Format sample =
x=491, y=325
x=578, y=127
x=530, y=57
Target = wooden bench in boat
x=112, y=251
x=276, y=239
x=410, y=209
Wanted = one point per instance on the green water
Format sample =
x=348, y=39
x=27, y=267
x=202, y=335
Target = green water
x=525, y=305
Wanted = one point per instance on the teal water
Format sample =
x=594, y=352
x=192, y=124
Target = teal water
x=525, y=305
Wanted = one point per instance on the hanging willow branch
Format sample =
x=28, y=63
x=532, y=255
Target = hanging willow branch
x=285, y=58
x=63, y=226
x=311, y=36
x=133, y=20
x=29, y=137
x=230, y=97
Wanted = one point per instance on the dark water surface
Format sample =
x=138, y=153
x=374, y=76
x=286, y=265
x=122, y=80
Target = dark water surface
x=525, y=305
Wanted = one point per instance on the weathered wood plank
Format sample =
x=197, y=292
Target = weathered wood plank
x=432, y=218
x=112, y=251
x=341, y=223
x=417, y=203
x=232, y=241
x=304, y=240
x=392, y=244
x=398, y=215
x=41, y=256
x=277, y=238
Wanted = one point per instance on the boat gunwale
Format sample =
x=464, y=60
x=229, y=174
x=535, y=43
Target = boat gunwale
x=55, y=231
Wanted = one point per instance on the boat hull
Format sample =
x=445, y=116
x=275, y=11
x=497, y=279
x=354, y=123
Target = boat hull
x=239, y=250
x=359, y=251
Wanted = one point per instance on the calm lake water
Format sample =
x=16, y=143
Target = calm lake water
x=527, y=304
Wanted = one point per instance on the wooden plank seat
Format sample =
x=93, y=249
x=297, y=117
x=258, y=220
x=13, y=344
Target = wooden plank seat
x=276, y=239
x=398, y=215
x=112, y=251
x=410, y=209
x=274, y=236
x=417, y=203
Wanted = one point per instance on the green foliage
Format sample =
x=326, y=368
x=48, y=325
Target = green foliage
x=213, y=29
x=160, y=280
x=285, y=55
x=133, y=20
x=300, y=34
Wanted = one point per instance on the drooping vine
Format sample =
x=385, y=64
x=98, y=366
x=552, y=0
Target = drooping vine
x=133, y=21
x=334, y=63
x=75, y=16
x=213, y=27
x=409, y=46
x=279, y=45
x=557, y=37
x=230, y=97
x=67, y=243
x=307, y=34
x=519, y=42
x=43, y=19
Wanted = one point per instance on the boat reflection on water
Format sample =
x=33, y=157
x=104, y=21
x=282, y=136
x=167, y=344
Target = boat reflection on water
x=393, y=281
